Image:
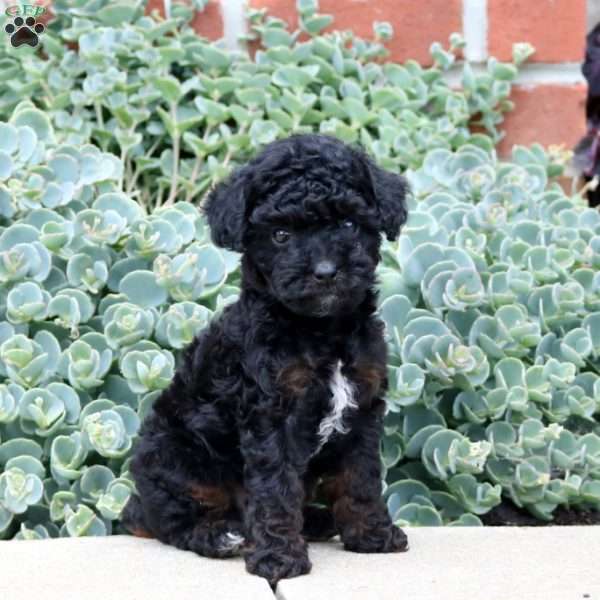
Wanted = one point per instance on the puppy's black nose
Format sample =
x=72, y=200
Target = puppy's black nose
x=324, y=270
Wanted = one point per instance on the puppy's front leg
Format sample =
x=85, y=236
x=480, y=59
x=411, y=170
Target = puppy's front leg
x=275, y=496
x=360, y=513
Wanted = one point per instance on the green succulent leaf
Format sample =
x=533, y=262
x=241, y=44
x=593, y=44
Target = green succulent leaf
x=141, y=288
x=83, y=522
x=147, y=371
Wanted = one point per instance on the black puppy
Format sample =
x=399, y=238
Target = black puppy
x=278, y=404
x=586, y=158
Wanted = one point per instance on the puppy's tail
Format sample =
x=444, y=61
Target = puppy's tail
x=133, y=518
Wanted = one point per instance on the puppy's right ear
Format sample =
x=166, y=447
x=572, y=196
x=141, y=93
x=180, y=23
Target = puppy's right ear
x=225, y=210
x=390, y=191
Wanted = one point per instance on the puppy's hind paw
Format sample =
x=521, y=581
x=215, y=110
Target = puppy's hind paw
x=230, y=543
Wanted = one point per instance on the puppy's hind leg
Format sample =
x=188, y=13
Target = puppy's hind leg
x=220, y=531
x=196, y=517
x=133, y=518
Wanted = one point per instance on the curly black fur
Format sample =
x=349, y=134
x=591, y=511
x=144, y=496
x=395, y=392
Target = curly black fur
x=231, y=458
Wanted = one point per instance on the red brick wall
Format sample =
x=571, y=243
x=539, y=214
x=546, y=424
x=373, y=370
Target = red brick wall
x=439, y=18
x=550, y=112
x=555, y=27
x=550, y=93
x=209, y=23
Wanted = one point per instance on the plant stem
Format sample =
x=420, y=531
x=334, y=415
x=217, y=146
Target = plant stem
x=100, y=123
x=176, y=149
x=99, y=117
x=137, y=172
x=197, y=165
x=126, y=168
x=49, y=94
x=193, y=176
x=159, y=194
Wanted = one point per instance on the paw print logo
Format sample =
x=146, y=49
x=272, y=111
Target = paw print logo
x=24, y=31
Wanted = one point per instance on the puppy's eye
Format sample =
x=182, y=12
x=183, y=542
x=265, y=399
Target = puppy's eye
x=348, y=224
x=281, y=236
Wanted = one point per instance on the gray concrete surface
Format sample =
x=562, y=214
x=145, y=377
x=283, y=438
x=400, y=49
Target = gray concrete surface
x=547, y=563
x=470, y=563
x=120, y=568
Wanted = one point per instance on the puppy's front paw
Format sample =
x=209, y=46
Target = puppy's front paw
x=399, y=541
x=274, y=565
x=382, y=539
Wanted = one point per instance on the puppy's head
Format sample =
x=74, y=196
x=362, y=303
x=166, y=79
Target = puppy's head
x=308, y=213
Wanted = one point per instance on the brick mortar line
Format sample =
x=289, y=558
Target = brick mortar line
x=475, y=29
x=531, y=75
x=233, y=14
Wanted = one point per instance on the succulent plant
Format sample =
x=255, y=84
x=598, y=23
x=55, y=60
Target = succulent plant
x=111, y=503
x=177, y=326
x=491, y=306
x=148, y=370
x=21, y=484
x=84, y=365
x=83, y=522
x=126, y=323
x=26, y=302
x=82, y=300
x=108, y=429
x=67, y=455
x=10, y=398
x=43, y=411
x=29, y=362
x=491, y=297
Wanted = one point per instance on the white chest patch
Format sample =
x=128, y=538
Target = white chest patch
x=342, y=397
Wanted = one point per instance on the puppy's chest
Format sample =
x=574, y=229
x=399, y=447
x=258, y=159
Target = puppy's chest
x=343, y=399
x=326, y=392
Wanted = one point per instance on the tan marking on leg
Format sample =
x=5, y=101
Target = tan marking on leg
x=212, y=497
x=141, y=533
x=345, y=509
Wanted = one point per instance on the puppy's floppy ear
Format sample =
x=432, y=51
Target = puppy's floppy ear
x=225, y=210
x=390, y=191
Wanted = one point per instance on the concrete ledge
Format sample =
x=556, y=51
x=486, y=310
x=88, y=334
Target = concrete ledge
x=493, y=563
x=120, y=567
x=470, y=563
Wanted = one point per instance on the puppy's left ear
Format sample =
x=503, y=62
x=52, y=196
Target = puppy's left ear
x=225, y=210
x=390, y=192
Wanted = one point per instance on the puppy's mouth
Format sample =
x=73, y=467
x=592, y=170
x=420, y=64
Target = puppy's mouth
x=323, y=306
x=328, y=305
x=323, y=300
